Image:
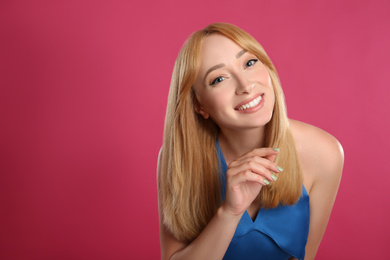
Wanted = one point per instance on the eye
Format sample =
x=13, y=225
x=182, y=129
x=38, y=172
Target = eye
x=251, y=62
x=217, y=80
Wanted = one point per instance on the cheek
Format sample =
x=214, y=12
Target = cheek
x=217, y=102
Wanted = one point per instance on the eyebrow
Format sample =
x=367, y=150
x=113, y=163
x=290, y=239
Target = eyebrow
x=240, y=53
x=218, y=66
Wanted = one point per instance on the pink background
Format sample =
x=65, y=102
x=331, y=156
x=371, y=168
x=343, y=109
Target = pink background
x=82, y=103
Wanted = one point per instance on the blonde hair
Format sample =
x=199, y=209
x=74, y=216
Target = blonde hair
x=189, y=182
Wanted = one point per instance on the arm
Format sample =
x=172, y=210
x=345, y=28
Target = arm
x=326, y=163
x=212, y=243
x=245, y=178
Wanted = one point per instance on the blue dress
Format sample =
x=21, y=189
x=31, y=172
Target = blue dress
x=277, y=233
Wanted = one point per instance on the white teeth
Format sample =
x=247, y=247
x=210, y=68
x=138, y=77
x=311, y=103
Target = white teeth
x=250, y=104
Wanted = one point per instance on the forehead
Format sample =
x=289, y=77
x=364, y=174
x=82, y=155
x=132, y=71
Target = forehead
x=217, y=49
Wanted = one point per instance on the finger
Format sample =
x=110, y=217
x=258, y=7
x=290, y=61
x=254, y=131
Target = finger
x=271, y=157
x=248, y=176
x=265, y=151
x=266, y=163
x=260, y=152
x=252, y=166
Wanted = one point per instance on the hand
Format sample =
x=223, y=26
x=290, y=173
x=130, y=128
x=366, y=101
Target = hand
x=246, y=176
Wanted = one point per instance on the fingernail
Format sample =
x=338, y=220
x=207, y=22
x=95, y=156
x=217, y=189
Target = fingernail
x=279, y=168
x=274, y=177
x=266, y=182
x=276, y=149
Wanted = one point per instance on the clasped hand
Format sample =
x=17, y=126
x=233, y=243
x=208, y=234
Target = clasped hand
x=245, y=177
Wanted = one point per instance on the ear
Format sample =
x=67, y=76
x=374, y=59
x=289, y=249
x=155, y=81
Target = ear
x=197, y=106
x=200, y=110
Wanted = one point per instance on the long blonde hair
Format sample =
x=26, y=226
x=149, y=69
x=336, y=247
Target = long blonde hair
x=189, y=182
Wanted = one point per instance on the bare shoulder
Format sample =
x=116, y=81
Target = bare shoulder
x=322, y=160
x=321, y=153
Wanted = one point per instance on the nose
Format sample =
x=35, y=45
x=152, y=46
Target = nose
x=244, y=86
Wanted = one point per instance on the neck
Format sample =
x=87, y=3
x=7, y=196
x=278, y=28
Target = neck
x=237, y=143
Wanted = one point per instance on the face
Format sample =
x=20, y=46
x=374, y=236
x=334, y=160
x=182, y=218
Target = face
x=233, y=87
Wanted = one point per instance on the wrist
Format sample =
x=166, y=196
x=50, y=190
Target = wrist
x=225, y=213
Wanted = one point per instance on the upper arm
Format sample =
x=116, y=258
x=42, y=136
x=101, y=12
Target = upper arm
x=327, y=159
x=168, y=243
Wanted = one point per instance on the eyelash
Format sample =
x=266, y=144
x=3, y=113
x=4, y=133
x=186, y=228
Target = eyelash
x=251, y=60
x=217, y=80
x=220, y=78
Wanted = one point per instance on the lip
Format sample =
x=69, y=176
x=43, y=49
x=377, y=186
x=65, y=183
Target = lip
x=246, y=101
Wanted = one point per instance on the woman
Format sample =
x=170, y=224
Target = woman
x=234, y=173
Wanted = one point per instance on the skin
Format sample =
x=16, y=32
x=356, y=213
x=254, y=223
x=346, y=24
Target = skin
x=238, y=78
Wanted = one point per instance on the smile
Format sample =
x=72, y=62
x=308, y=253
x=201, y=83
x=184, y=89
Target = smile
x=251, y=104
